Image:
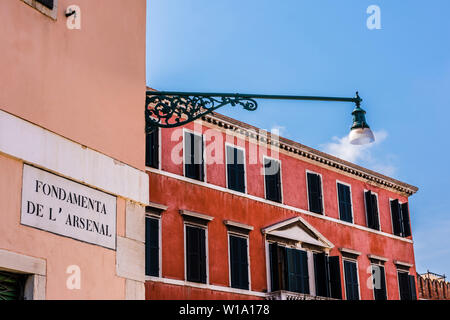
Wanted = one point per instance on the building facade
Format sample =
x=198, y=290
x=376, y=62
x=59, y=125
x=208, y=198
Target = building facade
x=433, y=286
x=238, y=213
x=217, y=209
x=73, y=187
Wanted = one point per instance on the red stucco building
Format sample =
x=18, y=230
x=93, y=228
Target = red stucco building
x=255, y=216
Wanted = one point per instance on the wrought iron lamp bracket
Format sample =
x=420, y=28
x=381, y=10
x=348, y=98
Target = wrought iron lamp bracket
x=169, y=109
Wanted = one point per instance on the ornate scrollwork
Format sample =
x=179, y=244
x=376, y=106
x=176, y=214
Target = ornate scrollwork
x=173, y=110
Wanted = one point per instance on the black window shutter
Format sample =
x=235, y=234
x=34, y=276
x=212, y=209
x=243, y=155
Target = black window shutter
x=405, y=286
x=297, y=265
x=48, y=3
x=193, y=156
x=273, y=180
x=235, y=169
x=342, y=213
x=152, y=247
x=274, y=268
x=376, y=224
x=231, y=168
x=379, y=284
x=188, y=155
x=372, y=210
x=345, y=204
x=240, y=170
x=202, y=256
x=321, y=274
x=335, y=277
x=239, y=262
x=405, y=220
x=244, y=264
x=396, y=218
x=198, y=157
x=412, y=287
x=369, y=209
x=196, y=254
x=292, y=265
x=304, y=274
x=348, y=280
x=152, y=149
x=314, y=193
x=192, y=263
x=351, y=280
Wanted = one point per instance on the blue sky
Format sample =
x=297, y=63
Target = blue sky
x=311, y=47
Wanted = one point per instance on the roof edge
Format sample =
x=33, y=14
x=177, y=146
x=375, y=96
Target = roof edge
x=221, y=120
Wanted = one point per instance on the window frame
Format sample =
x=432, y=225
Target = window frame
x=246, y=237
x=378, y=210
x=392, y=218
x=200, y=226
x=309, y=264
x=321, y=187
x=281, y=179
x=351, y=200
x=228, y=144
x=157, y=217
x=400, y=269
x=159, y=151
x=51, y=13
x=185, y=130
x=380, y=264
x=357, y=276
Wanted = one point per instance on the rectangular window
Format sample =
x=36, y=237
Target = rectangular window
x=315, y=192
x=235, y=169
x=321, y=274
x=272, y=176
x=400, y=219
x=371, y=200
x=193, y=156
x=407, y=286
x=351, y=280
x=152, y=149
x=239, y=262
x=345, y=202
x=379, y=282
x=327, y=276
x=335, y=277
x=12, y=286
x=152, y=247
x=195, y=254
x=47, y=3
x=288, y=269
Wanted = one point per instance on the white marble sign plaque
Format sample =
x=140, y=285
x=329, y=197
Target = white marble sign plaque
x=67, y=208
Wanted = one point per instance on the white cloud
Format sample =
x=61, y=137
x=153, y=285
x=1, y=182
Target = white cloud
x=279, y=130
x=342, y=148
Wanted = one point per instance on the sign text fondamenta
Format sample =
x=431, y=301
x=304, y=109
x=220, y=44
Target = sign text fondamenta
x=67, y=208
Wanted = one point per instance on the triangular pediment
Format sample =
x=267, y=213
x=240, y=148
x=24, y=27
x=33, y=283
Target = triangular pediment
x=298, y=230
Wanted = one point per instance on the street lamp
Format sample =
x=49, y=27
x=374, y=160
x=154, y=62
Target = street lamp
x=169, y=109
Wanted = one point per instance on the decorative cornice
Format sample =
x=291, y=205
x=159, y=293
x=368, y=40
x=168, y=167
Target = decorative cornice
x=296, y=148
x=230, y=223
x=403, y=264
x=349, y=251
x=196, y=215
x=379, y=258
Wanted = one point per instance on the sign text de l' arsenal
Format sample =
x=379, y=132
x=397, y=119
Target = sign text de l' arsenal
x=67, y=208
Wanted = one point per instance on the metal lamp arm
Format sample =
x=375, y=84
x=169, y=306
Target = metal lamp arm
x=168, y=109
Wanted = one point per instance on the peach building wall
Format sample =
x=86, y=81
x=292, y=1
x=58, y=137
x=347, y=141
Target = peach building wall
x=84, y=89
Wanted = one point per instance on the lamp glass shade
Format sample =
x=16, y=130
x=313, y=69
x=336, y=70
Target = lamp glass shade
x=359, y=136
